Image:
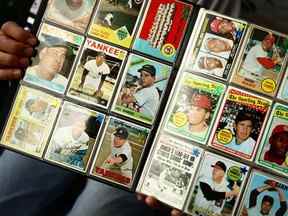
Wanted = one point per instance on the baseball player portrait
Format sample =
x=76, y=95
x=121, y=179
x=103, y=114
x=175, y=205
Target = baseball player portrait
x=146, y=97
x=213, y=190
x=94, y=74
x=120, y=160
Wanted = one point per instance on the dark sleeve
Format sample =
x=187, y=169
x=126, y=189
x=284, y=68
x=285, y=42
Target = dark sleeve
x=253, y=198
x=210, y=194
x=85, y=72
x=123, y=157
x=283, y=208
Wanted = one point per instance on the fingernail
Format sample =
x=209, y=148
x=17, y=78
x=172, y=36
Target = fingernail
x=28, y=51
x=32, y=41
x=24, y=62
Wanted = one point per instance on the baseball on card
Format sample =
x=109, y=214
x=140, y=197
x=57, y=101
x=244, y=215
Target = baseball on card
x=194, y=108
x=70, y=13
x=217, y=187
x=171, y=171
x=74, y=136
x=96, y=73
x=116, y=21
x=30, y=121
x=215, y=44
x=261, y=61
x=273, y=152
x=283, y=91
x=143, y=84
x=56, y=54
x=120, y=152
x=264, y=195
x=163, y=28
x=240, y=123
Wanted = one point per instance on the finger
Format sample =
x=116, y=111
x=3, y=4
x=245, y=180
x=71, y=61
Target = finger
x=11, y=46
x=152, y=202
x=140, y=197
x=13, y=60
x=11, y=29
x=176, y=212
x=10, y=74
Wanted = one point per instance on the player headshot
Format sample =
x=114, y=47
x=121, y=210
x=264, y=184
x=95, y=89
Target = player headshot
x=199, y=114
x=243, y=127
x=94, y=74
x=267, y=202
x=213, y=189
x=209, y=63
x=37, y=108
x=278, y=149
x=120, y=160
x=51, y=61
x=223, y=27
x=217, y=45
x=146, y=97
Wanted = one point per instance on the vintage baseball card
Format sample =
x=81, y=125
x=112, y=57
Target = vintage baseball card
x=171, y=171
x=262, y=59
x=70, y=13
x=163, y=28
x=74, y=136
x=30, y=121
x=214, y=45
x=56, y=54
x=217, y=187
x=143, y=84
x=273, y=152
x=116, y=21
x=264, y=195
x=240, y=123
x=120, y=152
x=194, y=108
x=283, y=91
x=96, y=74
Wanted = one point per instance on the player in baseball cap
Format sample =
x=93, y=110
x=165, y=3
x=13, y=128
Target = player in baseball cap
x=278, y=141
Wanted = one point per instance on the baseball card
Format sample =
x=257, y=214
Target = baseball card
x=116, y=21
x=163, y=29
x=96, y=74
x=214, y=45
x=194, y=108
x=273, y=152
x=70, y=13
x=30, y=121
x=240, y=123
x=74, y=136
x=261, y=62
x=264, y=195
x=217, y=187
x=143, y=84
x=56, y=54
x=120, y=151
x=283, y=91
x=171, y=171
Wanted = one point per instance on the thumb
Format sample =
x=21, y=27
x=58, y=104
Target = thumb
x=10, y=74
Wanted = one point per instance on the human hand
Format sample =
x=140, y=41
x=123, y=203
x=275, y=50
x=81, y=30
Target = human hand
x=16, y=47
x=155, y=204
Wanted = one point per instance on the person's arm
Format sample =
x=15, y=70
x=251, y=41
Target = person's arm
x=16, y=47
x=211, y=194
x=254, y=194
x=103, y=77
x=283, y=205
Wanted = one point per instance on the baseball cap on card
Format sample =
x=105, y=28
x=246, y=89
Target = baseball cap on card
x=220, y=164
x=121, y=132
x=51, y=41
x=202, y=101
x=149, y=69
x=279, y=129
x=100, y=54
